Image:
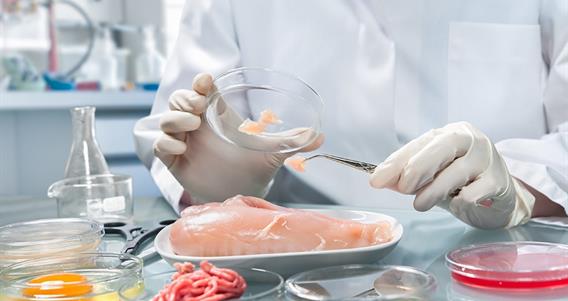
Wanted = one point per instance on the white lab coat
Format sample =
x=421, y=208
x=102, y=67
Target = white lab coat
x=389, y=71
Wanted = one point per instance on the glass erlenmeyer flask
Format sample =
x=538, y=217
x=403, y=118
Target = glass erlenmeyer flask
x=85, y=158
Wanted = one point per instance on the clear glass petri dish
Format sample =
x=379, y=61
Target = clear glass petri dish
x=261, y=285
x=48, y=237
x=361, y=282
x=244, y=93
x=523, y=265
x=103, y=275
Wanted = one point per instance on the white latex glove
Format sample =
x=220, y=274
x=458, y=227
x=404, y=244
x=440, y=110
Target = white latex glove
x=209, y=168
x=458, y=168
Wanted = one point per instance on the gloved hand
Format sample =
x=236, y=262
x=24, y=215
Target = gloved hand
x=209, y=168
x=458, y=168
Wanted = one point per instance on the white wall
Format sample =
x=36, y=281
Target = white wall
x=8, y=170
x=42, y=140
x=100, y=10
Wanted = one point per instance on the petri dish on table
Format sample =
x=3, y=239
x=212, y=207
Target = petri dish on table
x=261, y=285
x=48, y=237
x=522, y=265
x=361, y=282
x=244, y=93
x=87, y=276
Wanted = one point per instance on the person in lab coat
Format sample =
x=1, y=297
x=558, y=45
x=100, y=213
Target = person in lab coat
x=427, y=85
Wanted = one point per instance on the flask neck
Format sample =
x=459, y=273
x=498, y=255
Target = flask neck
x=149, y=39
x=85, y=157
x=83, y=120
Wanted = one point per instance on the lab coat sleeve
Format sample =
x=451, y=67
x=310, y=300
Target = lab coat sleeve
x=206, y=43
x=543, y=163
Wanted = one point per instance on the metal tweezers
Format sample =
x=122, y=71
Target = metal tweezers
x=360, y=165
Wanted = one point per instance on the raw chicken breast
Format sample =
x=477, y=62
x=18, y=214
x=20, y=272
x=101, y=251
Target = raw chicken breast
x=250, y=127
x=269, y=117
x=247, y=225
x=296, y=162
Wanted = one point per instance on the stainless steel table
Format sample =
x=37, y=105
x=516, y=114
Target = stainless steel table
x=427, y=237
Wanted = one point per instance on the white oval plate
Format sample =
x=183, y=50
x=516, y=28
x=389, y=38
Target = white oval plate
x=287, y=264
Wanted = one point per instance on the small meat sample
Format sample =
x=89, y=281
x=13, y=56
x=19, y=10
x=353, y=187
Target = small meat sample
x=208, y=284
x=248, y=225
x=297, y=163
x=269, y=117
x=251, y=127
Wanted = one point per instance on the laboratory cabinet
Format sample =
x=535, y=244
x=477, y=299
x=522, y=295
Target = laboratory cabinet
x=35, y=138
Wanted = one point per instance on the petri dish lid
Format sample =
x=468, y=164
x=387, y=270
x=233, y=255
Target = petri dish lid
x=29, y=239
x=510, y=265
x=365, y=282
x=244, y=92
x=261, y=285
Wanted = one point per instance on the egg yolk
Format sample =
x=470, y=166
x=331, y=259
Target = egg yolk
x=58, y=285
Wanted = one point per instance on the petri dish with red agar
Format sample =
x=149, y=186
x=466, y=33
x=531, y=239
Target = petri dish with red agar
x=522, y=265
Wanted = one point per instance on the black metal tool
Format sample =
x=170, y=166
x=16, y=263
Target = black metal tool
x=135, y=236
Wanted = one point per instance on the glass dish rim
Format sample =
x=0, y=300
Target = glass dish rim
x=429, y=286
x=451, y=263
x=122, y=178
x=129, y=272
x=214, y=96
x=96, y=231
x=270, y=70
